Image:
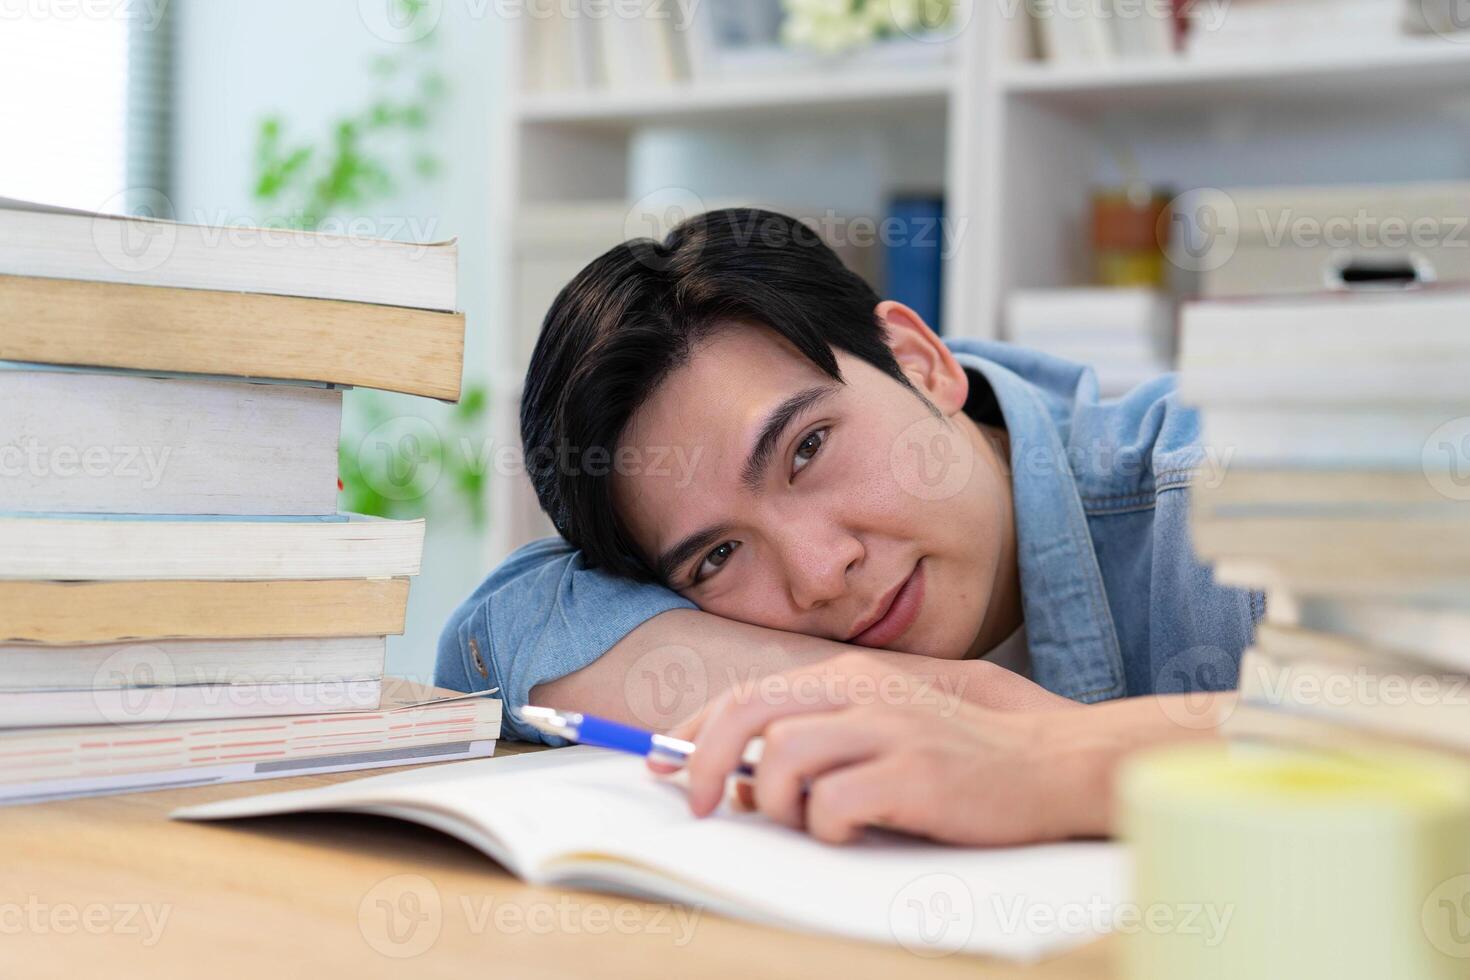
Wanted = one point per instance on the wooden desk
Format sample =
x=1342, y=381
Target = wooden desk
x=311, y=896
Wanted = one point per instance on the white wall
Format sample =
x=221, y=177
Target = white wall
x=307, y=60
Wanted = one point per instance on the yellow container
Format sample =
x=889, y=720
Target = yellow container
x=1254, y=862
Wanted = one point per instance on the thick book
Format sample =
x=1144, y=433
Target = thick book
x=1432, y=634
x=59, y=243
x=1348, y=348
x=1321, y=677
x=1228, y=489
x=70, y=613
x=252, y=335
x=586, y=818
x=1350, y=434
x=1413, y=541
x=1125, y=335
x=246, y=770
x=185, y=702
x=1357, y=581
x=79, y=442
x=414, y=724
x=1127, y=321
x=1256, y=723
x=1286, y=642
x=164, y=663
x=134, y=547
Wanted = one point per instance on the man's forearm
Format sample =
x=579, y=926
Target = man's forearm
x=669, y=667
x=1092, y=747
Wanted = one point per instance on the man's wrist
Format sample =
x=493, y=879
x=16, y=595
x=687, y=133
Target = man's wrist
x=1092, y=744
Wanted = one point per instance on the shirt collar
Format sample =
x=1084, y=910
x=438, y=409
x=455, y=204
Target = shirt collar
x=1069, y=625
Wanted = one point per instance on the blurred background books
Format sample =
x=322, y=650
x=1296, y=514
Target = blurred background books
x=1335, y=426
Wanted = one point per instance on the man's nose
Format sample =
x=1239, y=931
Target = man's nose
x=819, y=560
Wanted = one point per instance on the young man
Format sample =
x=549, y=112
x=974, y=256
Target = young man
x=758, y=468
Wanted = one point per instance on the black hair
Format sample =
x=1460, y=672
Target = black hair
x=634, y=314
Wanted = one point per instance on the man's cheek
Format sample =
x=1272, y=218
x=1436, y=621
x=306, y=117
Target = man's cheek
x=765, y=608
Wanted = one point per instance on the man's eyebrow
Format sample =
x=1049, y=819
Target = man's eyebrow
x=775, y=425
x=673, y=558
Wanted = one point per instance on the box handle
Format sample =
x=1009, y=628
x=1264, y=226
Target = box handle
x=1348, y=271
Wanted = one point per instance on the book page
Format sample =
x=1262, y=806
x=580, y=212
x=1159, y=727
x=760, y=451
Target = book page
x=591, y=818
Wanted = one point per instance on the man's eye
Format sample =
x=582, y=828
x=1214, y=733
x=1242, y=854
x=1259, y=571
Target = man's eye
x=714, y=560
x=808, y=448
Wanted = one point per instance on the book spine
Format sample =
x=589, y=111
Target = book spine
x=913, y=257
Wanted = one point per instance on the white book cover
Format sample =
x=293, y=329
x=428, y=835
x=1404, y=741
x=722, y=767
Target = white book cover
x=1369, y=696
x=1350, y=582
x=410, y=715
x=77, y=442
x=1075, y=33
x=61, y=243
x=153, y=663
x=635, y=54
x=167, y=547
x=587, y=818
x=1434, y=634
x=68, y=788
x=1381, y=346
x=1143, y=30
x=1339, y=436
x=186, y=702
x=1091, y=316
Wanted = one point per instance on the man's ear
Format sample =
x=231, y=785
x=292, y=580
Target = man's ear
x=923, y=357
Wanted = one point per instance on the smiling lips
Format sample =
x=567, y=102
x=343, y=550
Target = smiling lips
x=899, y=610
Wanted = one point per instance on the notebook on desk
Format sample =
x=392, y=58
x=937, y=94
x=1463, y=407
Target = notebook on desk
x=587, y=818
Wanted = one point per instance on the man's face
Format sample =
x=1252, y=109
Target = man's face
x=859, y=517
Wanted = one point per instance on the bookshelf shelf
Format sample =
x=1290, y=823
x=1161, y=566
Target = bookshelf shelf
x=1409, y=70
x=709, y=103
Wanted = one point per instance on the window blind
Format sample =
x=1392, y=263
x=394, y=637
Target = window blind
x=86, y=116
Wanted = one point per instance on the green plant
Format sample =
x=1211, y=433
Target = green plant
x=366, y=155
x=394, y=465
x=834, y=26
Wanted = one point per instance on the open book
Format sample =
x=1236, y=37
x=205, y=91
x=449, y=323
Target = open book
x=587, y=818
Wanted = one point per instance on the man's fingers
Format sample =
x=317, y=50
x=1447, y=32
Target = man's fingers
x=798, y=749
x=843, y=803
x=732, y=721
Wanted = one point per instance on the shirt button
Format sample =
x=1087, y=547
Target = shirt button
x=479, y=661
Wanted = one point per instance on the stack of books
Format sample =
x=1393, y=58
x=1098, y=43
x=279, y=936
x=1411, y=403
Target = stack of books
x=1125, y=334
x=1337, y=480
x=1098, y=31
x=1246, y=29
x=170, y=549
x=653, y=45
x=577, y=48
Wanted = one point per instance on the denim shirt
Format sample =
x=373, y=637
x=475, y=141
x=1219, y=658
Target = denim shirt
x=1116, y=603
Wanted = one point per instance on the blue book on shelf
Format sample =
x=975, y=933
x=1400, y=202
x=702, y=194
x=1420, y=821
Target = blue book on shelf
x=912, y=252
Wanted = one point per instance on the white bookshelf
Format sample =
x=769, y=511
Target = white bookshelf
x=1389, y=73
x=883, y=92
x=1023, y=143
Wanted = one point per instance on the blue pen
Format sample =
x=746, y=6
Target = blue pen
x=590, y=730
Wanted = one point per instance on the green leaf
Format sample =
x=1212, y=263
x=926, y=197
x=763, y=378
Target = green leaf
x=472, y=404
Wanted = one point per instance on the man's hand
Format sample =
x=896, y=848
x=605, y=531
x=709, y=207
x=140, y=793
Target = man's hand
x=869, y=745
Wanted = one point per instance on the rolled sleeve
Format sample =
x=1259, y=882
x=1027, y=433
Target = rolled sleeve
x=539, y=616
